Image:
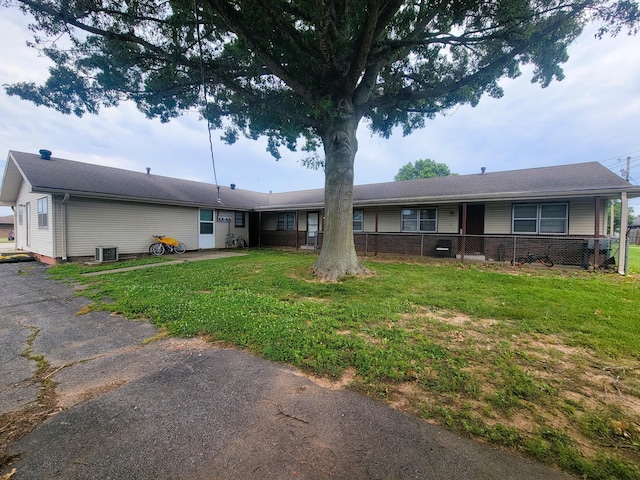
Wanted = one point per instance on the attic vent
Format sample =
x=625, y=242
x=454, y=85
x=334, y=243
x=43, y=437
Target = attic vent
x=233, y=186
x=45, y=154
x=106, y=254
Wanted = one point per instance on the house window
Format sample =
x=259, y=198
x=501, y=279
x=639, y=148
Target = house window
x=206, y=222
x=239, y=219
x=541, y=218
x=419, y=220
x=43, y=212
x=553, y=218
x=287, y=221
x=358, y=220
x=20, y=213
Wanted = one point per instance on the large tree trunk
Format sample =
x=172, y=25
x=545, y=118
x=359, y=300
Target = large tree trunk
x=338, y=254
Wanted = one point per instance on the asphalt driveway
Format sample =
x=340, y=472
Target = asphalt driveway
x=128, y=408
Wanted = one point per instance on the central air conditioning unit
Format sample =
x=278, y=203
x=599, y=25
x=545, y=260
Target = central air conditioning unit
x=106, y=254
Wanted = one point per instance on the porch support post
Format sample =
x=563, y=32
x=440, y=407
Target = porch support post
x=297, y=214
x=464, y=231
x=375, y=238
x=624, y=221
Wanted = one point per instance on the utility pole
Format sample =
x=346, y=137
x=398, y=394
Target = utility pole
x=628, y=168
x=627, y=171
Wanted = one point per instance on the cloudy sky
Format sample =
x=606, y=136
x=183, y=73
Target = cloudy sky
x=593, y=115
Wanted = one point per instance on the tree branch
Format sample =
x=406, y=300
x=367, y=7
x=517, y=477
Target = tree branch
x=235, y=24
x=413, y=95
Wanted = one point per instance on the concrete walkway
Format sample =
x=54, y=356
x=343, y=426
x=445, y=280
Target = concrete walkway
x=186, y=257
x=129, y=408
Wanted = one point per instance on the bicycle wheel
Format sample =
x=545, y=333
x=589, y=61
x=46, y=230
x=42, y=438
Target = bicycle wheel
x=156, y=249
x=180, y=249
x=546, y=261
x=518, y=261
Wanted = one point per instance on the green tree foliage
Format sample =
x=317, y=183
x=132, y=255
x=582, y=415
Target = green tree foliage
x=617, y=215
x=303, y=70
x=426, y=168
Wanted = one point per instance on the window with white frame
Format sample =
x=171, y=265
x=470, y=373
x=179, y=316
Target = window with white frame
x=419, y=219
x=20, y=213
x=287, y=221
x=545, y=218
x=43, y=212
x=358, y=220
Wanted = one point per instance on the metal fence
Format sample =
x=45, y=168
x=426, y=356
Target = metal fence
x=582, y=252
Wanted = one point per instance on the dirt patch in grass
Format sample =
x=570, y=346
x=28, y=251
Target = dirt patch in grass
x=345, y=380
x=529, y=382
x=557, y=386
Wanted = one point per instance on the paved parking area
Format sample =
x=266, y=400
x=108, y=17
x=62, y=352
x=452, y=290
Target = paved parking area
x=130, y=408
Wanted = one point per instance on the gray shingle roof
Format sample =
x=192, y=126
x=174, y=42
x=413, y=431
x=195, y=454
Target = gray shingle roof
x=76, y=178
x=578, y=179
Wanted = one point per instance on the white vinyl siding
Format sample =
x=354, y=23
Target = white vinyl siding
x=58, y=225
x=582, y=220
x=222, y=229
x=388, y=219
x=369, y=219
x=497, y=218
x=301, y=222
x=36, y=240
x=448, y=219
x=128, y=226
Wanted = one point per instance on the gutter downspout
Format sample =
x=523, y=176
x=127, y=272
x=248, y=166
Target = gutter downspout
x=624, y=223
x=64, y=226
x=596, y=229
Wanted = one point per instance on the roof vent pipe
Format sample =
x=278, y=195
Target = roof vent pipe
x=148, y=170
x=483, y=169
x=233, y=186
x=45, y=154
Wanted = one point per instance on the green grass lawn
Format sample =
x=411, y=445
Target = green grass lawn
x=634, y=259
x=543, y=361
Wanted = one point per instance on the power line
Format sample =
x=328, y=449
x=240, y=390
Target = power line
x=206, y=100
x=609, y=162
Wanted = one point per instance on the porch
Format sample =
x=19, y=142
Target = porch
x=579, y=251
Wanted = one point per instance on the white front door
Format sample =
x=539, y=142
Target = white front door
x=313, y=224
x=207, y=238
